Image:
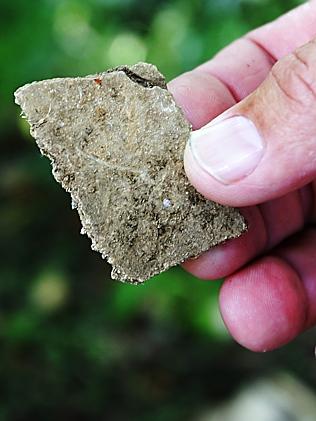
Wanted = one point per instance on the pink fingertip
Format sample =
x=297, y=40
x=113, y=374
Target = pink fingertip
x=264, y=306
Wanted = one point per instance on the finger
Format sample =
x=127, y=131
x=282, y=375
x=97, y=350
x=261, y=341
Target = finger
x=201, y=96
x=264, y=306
x=300, y=254
x=313, y=205
x=241, y=67
x=288, y=32
x=268, y=225
x=267, y=304
x=265, y=146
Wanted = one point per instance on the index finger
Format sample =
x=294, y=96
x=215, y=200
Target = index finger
x=213, y=87
x=240, y=68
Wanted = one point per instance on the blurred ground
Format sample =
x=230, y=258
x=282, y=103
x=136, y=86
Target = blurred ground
x=74, y=344
x=279, y=398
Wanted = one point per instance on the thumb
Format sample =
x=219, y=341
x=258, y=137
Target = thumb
x=264, y=146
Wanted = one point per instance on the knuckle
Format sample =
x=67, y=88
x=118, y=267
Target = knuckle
x=295, y=78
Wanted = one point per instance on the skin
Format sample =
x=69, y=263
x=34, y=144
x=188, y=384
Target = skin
x=269, y=294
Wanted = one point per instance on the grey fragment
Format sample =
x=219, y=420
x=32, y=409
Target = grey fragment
x=116, y=143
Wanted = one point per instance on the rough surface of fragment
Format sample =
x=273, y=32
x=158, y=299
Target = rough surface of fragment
x=116, y=143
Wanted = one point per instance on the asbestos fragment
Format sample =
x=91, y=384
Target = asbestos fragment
x=116, y=143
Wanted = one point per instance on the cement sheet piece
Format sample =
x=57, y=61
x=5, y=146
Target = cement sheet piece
x=116, y=143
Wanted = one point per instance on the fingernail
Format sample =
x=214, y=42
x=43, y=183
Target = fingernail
x=229, y=150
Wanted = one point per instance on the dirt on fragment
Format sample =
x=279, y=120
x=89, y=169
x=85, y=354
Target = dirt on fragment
x=116, y=142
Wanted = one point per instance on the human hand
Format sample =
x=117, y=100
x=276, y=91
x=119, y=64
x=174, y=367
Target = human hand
x=260, y=155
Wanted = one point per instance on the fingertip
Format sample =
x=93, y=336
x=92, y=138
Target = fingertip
x=264, y=306
x=201, y=96
x=200, y=268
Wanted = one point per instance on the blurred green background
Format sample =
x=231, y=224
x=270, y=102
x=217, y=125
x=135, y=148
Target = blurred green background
x=74, y=344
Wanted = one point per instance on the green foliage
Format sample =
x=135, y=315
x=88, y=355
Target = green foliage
x=75, y=345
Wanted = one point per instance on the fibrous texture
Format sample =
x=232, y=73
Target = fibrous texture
x=116, y=143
